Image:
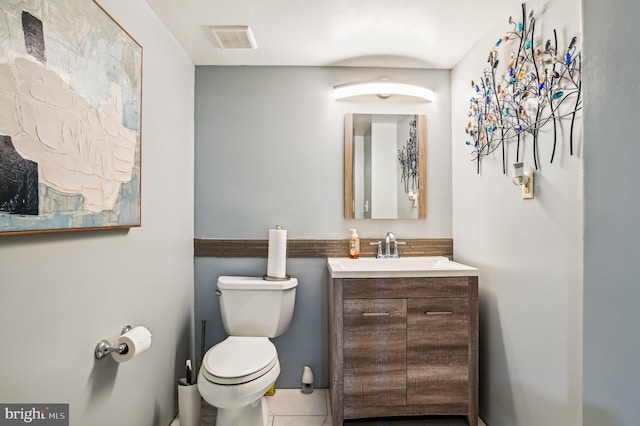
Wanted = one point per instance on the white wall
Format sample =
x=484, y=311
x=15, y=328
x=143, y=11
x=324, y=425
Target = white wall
x=529, y=253
x=270, y=150
x=384, y=171
x=612, y=234
x=358, y=177
x=61, y=293
x=274, y=135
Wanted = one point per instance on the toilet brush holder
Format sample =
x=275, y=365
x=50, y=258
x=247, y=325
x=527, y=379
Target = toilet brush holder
x=307, y=380
x=189, y=402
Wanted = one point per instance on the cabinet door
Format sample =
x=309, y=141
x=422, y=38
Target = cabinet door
x=438, y=353
x=374, y=352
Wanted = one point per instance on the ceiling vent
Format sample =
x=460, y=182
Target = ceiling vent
x=234, y=36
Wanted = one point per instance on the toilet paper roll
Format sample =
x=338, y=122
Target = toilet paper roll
x=138, y=340
x=277, y=255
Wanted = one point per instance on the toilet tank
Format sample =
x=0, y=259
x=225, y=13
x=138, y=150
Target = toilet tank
x=252, y=306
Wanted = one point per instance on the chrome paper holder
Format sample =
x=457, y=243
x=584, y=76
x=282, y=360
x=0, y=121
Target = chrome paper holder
x=104, y=348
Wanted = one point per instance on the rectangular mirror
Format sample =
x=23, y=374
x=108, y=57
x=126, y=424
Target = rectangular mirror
x=385, y=175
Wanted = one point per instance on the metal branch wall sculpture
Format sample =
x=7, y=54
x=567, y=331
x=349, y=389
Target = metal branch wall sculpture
x=408, y=158
x=539, y=86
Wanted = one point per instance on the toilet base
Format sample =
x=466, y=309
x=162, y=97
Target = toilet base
x=255, y=414
x=242, y=404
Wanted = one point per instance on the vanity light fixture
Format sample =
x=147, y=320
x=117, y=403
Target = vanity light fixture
x=383, y=89
x=523, y=179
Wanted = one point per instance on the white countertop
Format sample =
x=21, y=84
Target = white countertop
x=370, y=267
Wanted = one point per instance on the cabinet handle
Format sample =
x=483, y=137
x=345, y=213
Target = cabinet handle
x=438, y=313
x=375, y=314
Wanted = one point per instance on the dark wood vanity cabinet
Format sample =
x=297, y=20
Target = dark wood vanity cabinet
x=403, y=347
x=374, y=352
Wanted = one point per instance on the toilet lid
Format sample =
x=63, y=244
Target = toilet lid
x=239, y=359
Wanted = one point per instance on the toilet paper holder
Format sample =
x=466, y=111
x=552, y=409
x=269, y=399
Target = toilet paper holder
x=104, y=347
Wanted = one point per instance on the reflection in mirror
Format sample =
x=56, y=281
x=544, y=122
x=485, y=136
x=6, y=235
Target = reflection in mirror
x=385, y=166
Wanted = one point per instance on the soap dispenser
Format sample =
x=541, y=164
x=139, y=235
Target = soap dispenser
x=354, y=244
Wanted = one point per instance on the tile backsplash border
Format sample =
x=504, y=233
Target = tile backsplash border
x=206, y=247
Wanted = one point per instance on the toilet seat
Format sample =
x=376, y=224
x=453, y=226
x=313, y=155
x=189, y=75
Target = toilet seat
x=239, y=359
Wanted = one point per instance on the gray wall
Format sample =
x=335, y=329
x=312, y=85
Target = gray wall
x=612, y=233
x=61, y=293
x=529, y=253
x=269, y=150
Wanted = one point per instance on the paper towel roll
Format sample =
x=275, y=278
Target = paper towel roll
x=138, y=340
x=277, y=255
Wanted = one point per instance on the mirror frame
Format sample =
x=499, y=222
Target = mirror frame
x=348, y=167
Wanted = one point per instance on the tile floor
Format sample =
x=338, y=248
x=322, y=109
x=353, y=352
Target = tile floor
x=290, y=407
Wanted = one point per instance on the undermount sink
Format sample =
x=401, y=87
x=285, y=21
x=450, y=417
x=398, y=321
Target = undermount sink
x=371, y=267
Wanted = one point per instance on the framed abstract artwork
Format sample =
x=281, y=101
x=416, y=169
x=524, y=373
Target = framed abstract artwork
x=70, y=118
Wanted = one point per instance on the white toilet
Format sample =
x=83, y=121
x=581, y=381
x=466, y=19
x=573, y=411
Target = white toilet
x=236, y=373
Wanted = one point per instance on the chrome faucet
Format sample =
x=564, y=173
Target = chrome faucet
x=389, y=240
